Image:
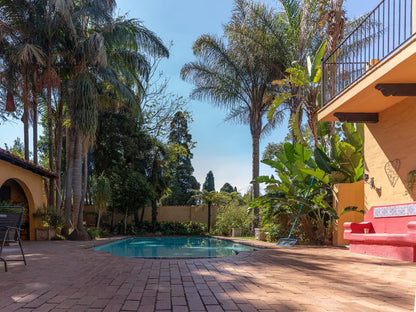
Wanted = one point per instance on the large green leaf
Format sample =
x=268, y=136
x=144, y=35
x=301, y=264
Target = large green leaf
x=274, y=164
x=347, y=150
x=278, y=100
x=319, y=174
x=316, y=67
x=322, y=160
x=290, y=152
x=303, y=153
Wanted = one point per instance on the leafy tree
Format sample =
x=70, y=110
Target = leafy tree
x=227, y=188
x=114, y=50
x=235, y=72
x=209, y=184
x=101, y=190
x=207, y=198
x=183, y=183
x=308, y=83
x=131, y=193
x=17, y=149
x=123, y=152
x=232, y=213
x=160, y=176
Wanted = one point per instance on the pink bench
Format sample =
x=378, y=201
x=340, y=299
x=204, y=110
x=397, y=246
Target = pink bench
x=387, y=231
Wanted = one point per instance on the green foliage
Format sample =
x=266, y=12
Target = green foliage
x=227, y=188
x=123, y=155
x=295, y=168
x=295, y=165
x=17, y=149
x=182, y=182
x=101, y=190
x=273, y=231
x=410, y=180
x=131, y=191
x=351, y=208
x=93, y=232
x=209, y=184
x=50, y=217
x=58, y=237
x=180, y=228
x=163, y=228
x=232, y=216
x=173, y=228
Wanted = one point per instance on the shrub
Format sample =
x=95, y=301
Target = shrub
x=232, y=217
x=196, y=228
x=58, y=237
x=93, y=232
x=273, y=232
x=50, y=217
x=173, y=228
x=163, y=228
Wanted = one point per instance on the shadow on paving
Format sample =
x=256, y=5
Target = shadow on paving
x=361, y=277
x=276, y=279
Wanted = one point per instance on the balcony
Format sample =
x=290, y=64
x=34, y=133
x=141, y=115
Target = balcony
x=374, y=67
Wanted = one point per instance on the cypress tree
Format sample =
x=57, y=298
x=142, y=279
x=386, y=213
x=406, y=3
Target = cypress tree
x=183, y=183
x=209, y=184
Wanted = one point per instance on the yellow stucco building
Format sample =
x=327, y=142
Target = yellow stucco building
x=22, y=183
x=371, y=78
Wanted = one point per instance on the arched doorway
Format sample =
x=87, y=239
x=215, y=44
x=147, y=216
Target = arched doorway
x=11, y=193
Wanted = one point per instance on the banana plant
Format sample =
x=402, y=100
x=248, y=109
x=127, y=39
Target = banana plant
x=308, y=81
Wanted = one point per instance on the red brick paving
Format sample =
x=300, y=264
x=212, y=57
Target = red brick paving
x=67, y=276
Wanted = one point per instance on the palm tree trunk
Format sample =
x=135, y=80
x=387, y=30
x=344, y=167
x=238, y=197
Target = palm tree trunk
x=255, y=174
x=77, y=176
x=82, y=233
x=25, y=117
x=50, y=134
x=79, y=232
x=35, y=128
x=68, y=181
x=99, y=218
x=58, y=150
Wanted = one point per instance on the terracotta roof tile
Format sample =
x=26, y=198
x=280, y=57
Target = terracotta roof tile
x=20, y=162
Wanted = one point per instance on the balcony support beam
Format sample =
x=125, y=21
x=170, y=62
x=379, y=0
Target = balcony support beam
x=357, y=117
x=397, y=89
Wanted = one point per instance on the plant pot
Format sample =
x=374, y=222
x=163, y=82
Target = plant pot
x=259, y=234
x=44, y=233
x=235, y=232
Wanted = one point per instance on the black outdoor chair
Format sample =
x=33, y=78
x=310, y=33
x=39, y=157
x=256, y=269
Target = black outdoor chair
x=10, y=222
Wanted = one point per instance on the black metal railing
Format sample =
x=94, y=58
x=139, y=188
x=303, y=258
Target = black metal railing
x=379, y=34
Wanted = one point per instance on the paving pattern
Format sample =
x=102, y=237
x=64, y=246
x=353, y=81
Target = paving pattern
x=67, y=276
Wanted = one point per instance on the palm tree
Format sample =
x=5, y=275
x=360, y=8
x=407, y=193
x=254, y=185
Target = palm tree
x=21, y=56
x=236, y=72
x=209, y=198
x=107, y=58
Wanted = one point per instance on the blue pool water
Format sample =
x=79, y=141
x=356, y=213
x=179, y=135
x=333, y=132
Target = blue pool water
x=173, y=247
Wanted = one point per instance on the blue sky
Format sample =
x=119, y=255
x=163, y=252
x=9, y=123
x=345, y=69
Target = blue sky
x=223, y=147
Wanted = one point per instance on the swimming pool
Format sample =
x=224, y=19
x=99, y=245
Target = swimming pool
x=173, y=247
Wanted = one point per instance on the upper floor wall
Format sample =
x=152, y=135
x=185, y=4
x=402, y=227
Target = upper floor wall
x=364, y=75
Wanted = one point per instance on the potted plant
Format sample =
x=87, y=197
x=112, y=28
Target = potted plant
x=52, y=223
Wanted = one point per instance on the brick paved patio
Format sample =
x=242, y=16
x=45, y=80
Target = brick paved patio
x=66, y=276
